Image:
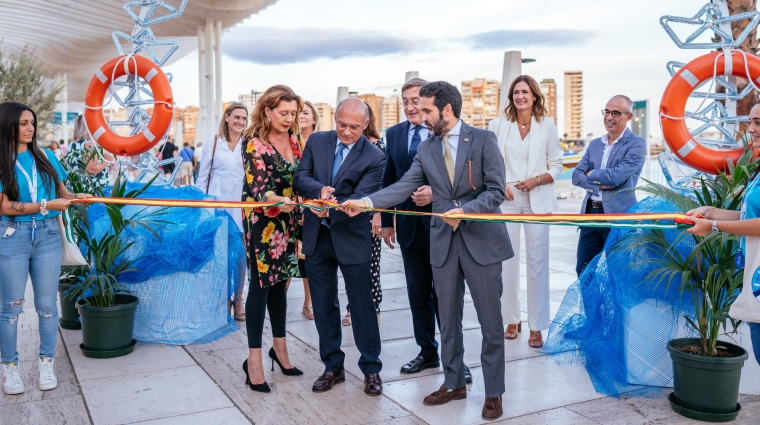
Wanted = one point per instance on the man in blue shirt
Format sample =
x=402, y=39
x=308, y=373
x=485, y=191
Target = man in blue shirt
x=188, y=164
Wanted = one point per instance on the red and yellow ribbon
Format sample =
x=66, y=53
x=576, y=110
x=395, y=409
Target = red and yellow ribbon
x=634, y=220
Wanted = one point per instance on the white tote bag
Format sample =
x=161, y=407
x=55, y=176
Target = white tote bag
x=71, y=256
x=746, y=307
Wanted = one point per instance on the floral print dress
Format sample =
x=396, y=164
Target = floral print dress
x=270, y=234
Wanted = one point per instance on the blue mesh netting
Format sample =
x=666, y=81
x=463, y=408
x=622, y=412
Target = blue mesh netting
x=616, y=325
x=186, y=276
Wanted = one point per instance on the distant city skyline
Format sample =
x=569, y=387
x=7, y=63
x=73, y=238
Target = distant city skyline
x=314, y=47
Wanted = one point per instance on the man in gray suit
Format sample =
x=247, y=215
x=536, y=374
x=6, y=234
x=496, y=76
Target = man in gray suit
x=465, y=170
x=609, y=171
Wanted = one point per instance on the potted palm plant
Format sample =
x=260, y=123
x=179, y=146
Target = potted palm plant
x=106, y=307
x=706, y=370
x=78, y=181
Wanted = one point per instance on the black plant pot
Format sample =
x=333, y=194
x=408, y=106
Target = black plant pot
x=706, y=388
x=107, y=331
x=69, y=317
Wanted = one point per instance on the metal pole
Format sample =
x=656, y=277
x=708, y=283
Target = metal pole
x=200, y=121
x=218, y=69
x=209, y=77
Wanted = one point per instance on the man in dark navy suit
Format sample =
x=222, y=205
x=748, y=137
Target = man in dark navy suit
x=342, y=165
x=413, y=232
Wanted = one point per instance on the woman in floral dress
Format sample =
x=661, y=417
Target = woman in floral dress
x=270, y=158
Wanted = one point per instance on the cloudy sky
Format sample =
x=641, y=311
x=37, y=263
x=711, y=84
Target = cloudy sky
x=314, y=46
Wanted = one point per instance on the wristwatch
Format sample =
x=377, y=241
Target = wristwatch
x=43, y=207
x=715, y=226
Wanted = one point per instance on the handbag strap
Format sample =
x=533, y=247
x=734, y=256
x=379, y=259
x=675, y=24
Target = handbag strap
x=211, y=168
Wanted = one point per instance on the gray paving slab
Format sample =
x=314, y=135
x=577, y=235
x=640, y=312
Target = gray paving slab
x=561, y=416
x=152, y=395
x=293, y=402
x=61, y=410
x=30, y=376
x=227, y=416
x=145, y=358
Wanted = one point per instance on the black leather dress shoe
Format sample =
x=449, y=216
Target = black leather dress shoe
x=373, y=385
x=327, y=381
x=419, y=364
x=467, y=375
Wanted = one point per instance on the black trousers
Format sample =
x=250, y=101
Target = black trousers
x=273, y=298
x=323, y=283
x=423, y=301
x=590, y=242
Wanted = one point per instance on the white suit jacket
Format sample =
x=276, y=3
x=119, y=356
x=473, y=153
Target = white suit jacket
x=544, y=156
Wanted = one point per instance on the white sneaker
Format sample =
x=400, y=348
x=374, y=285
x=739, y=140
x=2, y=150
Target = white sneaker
x=12, y=379
x=47, y=374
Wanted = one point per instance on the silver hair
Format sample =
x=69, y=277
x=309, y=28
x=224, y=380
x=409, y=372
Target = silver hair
x=628, y=102
x=414, y=82
x=353, y=100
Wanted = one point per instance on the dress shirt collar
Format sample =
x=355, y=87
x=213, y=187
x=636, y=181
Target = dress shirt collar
x=339, y=143
x=606, y=137
x=454, y=132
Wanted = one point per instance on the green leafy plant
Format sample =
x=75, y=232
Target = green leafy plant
x=98, y=283
x=708, y=270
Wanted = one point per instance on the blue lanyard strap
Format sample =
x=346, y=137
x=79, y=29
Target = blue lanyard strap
x=32, y=182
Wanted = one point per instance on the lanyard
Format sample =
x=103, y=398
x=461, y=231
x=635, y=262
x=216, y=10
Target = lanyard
x=32, y=183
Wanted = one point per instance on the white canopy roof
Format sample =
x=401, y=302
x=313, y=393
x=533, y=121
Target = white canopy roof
x=74, y=36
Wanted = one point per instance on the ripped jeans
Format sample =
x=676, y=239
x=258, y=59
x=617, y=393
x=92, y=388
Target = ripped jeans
x=21, y=258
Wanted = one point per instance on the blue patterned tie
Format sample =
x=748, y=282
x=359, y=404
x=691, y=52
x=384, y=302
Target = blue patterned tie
x=416, y=139
x=338, y=161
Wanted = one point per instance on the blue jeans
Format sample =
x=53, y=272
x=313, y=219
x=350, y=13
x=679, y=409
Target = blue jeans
x=21, y=258
x=754, y=331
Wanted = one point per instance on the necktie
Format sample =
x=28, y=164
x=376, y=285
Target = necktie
x=338, y=161
x=448, y=159
x=416, y=139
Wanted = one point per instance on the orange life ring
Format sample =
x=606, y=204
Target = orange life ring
x=673, y=104
x=162, y=108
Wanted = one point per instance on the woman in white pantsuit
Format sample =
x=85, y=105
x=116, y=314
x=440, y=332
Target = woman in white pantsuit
x=529, y=142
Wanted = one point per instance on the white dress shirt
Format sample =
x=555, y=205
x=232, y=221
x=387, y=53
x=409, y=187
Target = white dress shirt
x=227, y=177
x=424, y=135
x=606, y=157
x=337, y=147
x=453, y=140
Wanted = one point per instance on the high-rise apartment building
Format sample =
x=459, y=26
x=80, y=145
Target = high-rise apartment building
x=480, y=101
x=574, y=104
x=326, y=116
x=376, y=103
x=391, y=111
x=250, y=99
x=549, y=90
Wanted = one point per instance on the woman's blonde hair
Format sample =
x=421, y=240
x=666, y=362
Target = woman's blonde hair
x=261, y=127
x=80, y=129
x=317, y=125
x=539, y=110
x=224, y=128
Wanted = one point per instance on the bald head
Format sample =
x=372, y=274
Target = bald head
x=352, y=105
x=351, y=118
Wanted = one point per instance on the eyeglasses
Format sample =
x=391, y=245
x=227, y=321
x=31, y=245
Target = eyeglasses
x=416, y=102
x=615, y=114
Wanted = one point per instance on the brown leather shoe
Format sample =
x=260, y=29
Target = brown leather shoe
x=444, y=395
x=492, y=408
x=327, y=381
x=373, y=385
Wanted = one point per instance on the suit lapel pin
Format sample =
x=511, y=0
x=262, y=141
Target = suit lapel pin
x=466, y=139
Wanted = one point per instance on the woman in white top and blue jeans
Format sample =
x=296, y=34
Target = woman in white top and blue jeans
x=224, y=178
x=32, y=195
x=529, y=142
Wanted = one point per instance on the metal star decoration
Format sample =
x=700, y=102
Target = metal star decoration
x=710, y=18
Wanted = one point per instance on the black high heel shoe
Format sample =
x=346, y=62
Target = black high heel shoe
x=262, y=388
x=287, y=372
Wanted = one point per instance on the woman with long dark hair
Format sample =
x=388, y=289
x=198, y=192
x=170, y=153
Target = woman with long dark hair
x=271, y=155
x=32, y=195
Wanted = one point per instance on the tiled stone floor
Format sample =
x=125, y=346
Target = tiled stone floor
x=204, y=383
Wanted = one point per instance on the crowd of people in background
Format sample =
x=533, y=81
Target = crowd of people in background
x=432, y=162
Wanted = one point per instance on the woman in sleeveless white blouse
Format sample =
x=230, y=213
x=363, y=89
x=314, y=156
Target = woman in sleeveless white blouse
x=529, y=142
x=224, y=178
